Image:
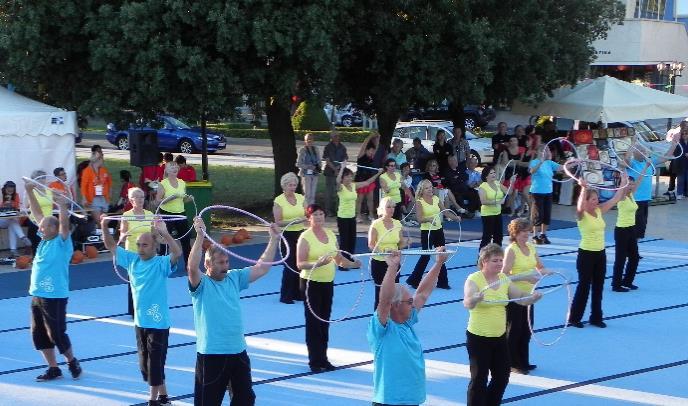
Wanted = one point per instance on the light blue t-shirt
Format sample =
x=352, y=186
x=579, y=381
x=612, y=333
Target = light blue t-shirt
x=644, y=191
x=399, y=158
x=398, y=363
x=541, y=180
x=217, y=313
x=148, y=280
x=50, y=270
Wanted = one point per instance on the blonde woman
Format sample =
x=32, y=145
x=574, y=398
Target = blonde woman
x=385, y=234
x=486, y=342
x=428, y=208
x=173, y=186
x=133, y=228
x=308, y=162
x=289, y=207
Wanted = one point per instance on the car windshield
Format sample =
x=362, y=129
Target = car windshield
x=171, y=122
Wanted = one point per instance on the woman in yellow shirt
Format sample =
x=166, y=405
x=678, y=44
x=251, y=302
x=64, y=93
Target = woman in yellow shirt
x=133, y=228
x=173, y=186
x=317, y=257
x=391, y=185
x=486, y=343
x=491, y=195
x=346, y=211
x=290, y=207
x=520, y=260
x=591, y=262
x=625, y=238
x=385, y=234
x=428, y=209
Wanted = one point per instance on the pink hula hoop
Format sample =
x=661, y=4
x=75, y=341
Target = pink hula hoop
x=235, y=255
x=573, y=146
x=573, y=161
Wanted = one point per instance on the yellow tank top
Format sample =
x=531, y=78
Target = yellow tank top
x=627, y=208
x=387, y=240
x=494, y=198
x=136, y=228
x=290, y=212
x=489, y=319
x=431, y=210
x=317, y=249
x=592, y=231
x=523, y=264
x=394, y=186
x=173, y=205
x=45, y=201
x=347, y=202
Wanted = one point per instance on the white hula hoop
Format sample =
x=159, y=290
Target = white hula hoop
x=177, y=197
x=590, y=185
x=441, y=216
x=356, y=303
x=284, y=239
x=230, y=252
x=647, y=158
x=569, y=296
x=573, y=146
x=650, y=151
x=46, y=187
x=375, y=252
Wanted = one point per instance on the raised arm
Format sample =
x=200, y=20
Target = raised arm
x=192, y=267
x=606, y=206
x=34, y=207
x=63, y=217
x=339, y=175
x=261, y=268
x=580, y=205
x=175, y=248
x=429, y=281
x=108, y=240
x=388, y=287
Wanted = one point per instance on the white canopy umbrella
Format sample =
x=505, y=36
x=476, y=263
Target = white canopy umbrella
x=608, y=100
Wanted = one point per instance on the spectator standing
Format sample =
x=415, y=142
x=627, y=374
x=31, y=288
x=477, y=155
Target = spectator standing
x=333, y=154
x=187, y=173
x=462, y=150
x=308, y=162
x=418, y=155
x=366, y=161
x=500, y=140
x=96, y=183
x=442, y=150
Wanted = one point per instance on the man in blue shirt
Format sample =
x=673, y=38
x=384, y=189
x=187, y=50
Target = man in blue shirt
x=148, y=275
x=635, y=165
x=50, y=287
x=398, y=363
x=221, y=358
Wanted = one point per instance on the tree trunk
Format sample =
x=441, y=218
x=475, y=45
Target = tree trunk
x=457, y=114
x=204, y=146
x=386, y=121
x=282, y=138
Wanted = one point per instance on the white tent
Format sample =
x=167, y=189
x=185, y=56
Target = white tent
x=34, y=136
x=608, y=100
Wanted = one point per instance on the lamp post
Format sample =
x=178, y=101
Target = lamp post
x=673, y=69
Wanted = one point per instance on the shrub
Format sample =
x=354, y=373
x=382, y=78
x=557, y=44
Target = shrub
x=310, y=116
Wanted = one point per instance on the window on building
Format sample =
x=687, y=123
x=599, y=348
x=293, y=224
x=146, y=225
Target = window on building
x=653, y=9
x=681, y=8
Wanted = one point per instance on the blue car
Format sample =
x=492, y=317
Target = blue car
x=173, y=136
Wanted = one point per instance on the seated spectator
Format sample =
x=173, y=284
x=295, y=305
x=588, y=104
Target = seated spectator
x=408, y=199
x=446, y=196
x=151, y=175
x=10, y=200
x=418, y=155
x=456, y=180
x=470, y=197
x=124, y=203
x=187, y=173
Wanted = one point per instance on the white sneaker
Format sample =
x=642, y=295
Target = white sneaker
x=679, y=197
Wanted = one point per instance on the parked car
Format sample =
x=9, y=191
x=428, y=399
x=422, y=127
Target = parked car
x=426, y=130
x=474, y=115
x=345, y=116
x=174, y=135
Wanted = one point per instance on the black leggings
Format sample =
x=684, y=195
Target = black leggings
x=492, y=230
x=176, y=229
x=290, y=278
x=216, y=373
x=542, y=213
x=591, y=266
x=152, y=348
x=436, y=240
x=518, y=334
x=378, y=269
x=641, y=218
x=626, y=249
x=487, y=355
x=347, y=235
x=317, y=332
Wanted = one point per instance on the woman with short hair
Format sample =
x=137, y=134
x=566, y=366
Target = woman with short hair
x=139, y=221
x=174, y=189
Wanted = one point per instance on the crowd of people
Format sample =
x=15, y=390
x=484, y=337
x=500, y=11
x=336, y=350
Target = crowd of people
x=498, y=296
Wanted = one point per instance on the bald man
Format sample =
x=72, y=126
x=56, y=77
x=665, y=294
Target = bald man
x=398, y=363
x=50, y=287
x=148, y=275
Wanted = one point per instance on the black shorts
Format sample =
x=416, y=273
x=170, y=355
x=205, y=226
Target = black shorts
x=152, y=348
x=49, y=324
x=219, y=373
